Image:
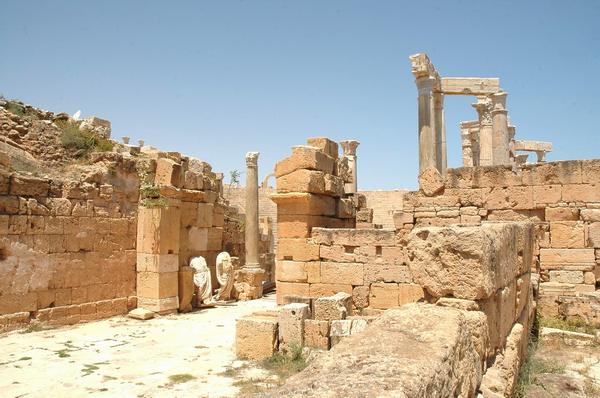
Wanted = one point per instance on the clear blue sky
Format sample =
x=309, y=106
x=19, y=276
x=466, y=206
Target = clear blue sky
x=215, y=79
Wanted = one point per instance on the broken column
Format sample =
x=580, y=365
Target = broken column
x=427, y=80
x=484, y=110
x=349, y=148
x=500, y=132
x=251, y=277
x=469, y=132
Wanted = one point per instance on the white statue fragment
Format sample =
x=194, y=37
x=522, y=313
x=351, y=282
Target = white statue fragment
x=77, y=115
x=224, y=269
x=202, y=279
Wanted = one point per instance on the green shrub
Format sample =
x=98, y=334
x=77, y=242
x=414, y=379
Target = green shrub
x=15, y=108
x=82, y=140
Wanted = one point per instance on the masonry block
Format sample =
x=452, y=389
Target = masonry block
x=305, y=157
x=316, y=334
x=335, y=307
x=291, y=324
x=256, y=337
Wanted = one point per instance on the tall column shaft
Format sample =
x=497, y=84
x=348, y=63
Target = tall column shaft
x=501, y=136
x=251, y=229
x=427, y=137
x=440, y=133
x=484, y=110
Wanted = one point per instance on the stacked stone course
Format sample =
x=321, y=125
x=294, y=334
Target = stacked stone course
x=561, y=198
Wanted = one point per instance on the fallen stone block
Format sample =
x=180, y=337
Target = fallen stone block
x=336, y=307
x=141, y=314
x=291, y=324
x=256, y=337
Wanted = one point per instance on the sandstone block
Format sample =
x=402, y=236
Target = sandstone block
x=29, y=186
x=157, y=285
x=305, y=157
x=316, y=334
x=384, y=272
x=567, y=256
x=157, y=262
x=158, y=230
x=302, y=181
x=567, y=234
x=402, y=217
x=168, y=172
x=333, y=185
x=335, y=307
x=566, y=276
x=360, y=297
x=214, y=239
x=354, y=237
x=593, y=236
x=345, y=208
x=204, y=216
x=546, y=194
x=298, y=271
x=431, y=182
x=256, y=337
x=384, y=295
x=326, y=145
x=299, y=226
x=409, y=293
x=463, y=262
x=291, y=289
x=562, y=214
x=328, y=289
x=581, y=193
x=342, y=273
x=291, y=324
x=590, y=215
x=141, y=314
x=304, y=204
x=186, y=288
x=159, y=305
x=297, y=250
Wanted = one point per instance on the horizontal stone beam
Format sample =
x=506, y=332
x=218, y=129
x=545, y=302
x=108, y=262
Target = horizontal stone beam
x=470, y=85
x=532, y=146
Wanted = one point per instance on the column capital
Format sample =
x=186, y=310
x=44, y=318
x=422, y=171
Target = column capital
x=499, y=100
x=252, y=159
x=484, y=106
x=349, y=147
x=422, y=67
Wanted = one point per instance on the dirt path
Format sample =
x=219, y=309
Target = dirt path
x=180, y=355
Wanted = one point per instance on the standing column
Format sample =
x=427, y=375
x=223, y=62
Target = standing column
x=252, y=210
x=349, y=148
x=484, y=110
x=440, y=132
x=500, y=133
x=427, y=142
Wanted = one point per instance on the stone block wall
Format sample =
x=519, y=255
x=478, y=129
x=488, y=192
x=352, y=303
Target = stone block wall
x=310, y=194
x=561, y=198
x=384, y=205
x=68, y=247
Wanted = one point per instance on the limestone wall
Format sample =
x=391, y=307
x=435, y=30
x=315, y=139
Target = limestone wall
x=68, y=247
x=384, y=205
x=561, y=198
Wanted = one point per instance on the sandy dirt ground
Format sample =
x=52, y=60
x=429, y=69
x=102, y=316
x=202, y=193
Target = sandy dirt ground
x=179, y=355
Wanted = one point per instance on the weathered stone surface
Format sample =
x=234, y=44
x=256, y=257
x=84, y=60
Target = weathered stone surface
x=291, y=324
x=256, y=337
x=464, y=262
x=305, y=157
x=415, y=351
x=304, y=204
x=316, y=334
x=335, y=307
x=431, y=182
x=324, y=144
x=567, y=234
x=141, y=314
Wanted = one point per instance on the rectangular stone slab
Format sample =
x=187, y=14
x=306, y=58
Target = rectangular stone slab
x=470, y=85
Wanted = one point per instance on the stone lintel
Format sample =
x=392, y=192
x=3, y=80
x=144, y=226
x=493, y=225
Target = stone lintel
x=532, y=146
x=470, y=85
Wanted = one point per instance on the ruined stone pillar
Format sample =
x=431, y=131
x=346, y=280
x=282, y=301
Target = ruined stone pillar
x=500, y=132
x=428, y=81
x=252, y=210
x=467, y=147
x=484, y=111
x=349, y=148
x=249, y=282
x=427, y=143
x=440, y=133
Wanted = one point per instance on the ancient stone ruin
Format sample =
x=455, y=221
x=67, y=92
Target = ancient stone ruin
x=432, y=293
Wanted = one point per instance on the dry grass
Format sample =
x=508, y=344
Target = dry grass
x=574, y=324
